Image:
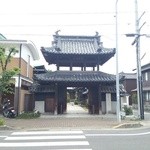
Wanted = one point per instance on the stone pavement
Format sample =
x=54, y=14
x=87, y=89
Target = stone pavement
x=75, y=118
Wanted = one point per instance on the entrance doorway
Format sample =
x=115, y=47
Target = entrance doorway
x=77, y=100
x=85, y=97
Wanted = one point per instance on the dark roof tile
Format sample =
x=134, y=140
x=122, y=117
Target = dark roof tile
x=76, y=76
x=112, y=89
x=78, y=45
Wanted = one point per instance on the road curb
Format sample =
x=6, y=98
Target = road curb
x=6, y=128
x=128, y=125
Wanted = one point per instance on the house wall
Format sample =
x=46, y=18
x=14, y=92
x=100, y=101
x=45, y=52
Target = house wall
x=146, y=86
x=113, y=107
x=22, y=99
x=25, y=71
x=28, y=53
x=129, y=85
x=24, y=66
x=25, y=53
x=146, y=78
x=27, y=60
x=39, y=105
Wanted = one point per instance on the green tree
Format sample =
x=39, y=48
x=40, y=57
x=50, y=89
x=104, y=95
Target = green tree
x=6, y=75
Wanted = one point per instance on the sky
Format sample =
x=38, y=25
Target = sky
x=38, y=20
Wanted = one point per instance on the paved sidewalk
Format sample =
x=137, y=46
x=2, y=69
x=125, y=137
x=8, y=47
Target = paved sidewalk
x=76, y=118
x=61, y=122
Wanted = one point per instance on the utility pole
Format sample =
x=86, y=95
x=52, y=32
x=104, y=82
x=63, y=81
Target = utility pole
x=117, y=72
x=139, y=77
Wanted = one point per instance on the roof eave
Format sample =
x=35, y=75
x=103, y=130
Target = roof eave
x=29, y=44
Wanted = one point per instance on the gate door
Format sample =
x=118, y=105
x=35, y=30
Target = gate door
x=50, y=105
x=29, y=103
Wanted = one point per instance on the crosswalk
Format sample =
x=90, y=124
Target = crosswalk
x=58, y=140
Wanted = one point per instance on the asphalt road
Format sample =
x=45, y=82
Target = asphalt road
x=119, y=139
x=116, y=139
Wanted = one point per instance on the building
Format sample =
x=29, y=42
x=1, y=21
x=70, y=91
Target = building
x=129, y=83
x=24, y=60
x=72, y=52
x=145, y=69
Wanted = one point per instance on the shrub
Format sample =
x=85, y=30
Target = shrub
x=29, y=115
x=1, y=122
x=128, y=110
x=76, y=102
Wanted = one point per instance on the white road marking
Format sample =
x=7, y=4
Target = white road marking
x=133, y=134
x=69, y=149
x=46, y=132
x=67, y=138
x=35, y=144
x=46, y=137
x=3, y=136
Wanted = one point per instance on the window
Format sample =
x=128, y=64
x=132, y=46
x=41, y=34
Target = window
x=148, y=75
x=145, y=76
x=146, y=96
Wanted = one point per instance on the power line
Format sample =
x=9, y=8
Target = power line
x=66, y=13
x=53, y=25
x=23, y=34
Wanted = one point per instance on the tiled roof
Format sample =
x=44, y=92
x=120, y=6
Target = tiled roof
x=39, y=69
x=82, y=77
x=112, y=89
x=145, y=67
x=76, y=76
x=128, y=75
x=78, y=45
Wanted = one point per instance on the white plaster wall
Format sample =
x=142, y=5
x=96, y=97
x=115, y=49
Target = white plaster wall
x=25, y=52
x=124, y=101
x=39, y=105
x=108, y=103
x=113, y=106
x=103, y=107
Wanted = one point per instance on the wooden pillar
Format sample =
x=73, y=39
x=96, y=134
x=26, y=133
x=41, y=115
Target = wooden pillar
x=61, y=99
x=90, y=101
x=56, y=98
x=65, y=100
x=94, y=105
x=57, y=66
x=71, y=67
x=84, y=68
x=97, y=67
x=100, y=99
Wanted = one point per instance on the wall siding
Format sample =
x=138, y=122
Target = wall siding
x=15, y=63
